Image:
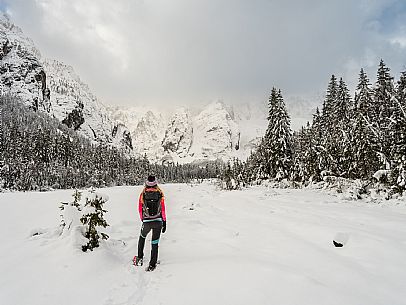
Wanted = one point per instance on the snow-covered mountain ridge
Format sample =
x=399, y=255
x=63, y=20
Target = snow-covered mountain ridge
x=54, y=88
x=184, y=135
x=214, y=131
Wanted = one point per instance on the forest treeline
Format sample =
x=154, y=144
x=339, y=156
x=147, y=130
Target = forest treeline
x=38, y=152
x=359, y=137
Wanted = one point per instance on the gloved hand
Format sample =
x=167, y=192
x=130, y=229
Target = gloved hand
x=164, y=226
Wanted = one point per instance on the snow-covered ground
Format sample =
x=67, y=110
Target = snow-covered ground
x=257, y=246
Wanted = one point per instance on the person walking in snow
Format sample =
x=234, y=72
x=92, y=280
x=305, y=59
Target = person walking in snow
x=151, y=207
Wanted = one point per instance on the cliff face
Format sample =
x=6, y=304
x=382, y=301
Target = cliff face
x=21, y=71
x=75, y=105
x=217, y=135
x=178, y=137
x=54, y=88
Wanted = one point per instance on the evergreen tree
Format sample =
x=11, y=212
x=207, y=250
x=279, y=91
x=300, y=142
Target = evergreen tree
x=329, y=102
x=383, y=94
x=227, y=179
x=341, y=131
x=300, y=143
x=276, y=148
x=327, y=147
x=383, y=108
x=363, y=100
x=363, y=141
x=398, y=136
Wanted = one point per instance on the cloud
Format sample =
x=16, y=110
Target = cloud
x=189, y=51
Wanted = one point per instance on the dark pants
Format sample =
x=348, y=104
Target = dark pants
x=156, y=227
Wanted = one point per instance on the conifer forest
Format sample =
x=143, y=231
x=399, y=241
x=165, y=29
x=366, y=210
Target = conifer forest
x=41, y=153
x=360, y=137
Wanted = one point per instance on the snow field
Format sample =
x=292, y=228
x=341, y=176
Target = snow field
x=257, y=246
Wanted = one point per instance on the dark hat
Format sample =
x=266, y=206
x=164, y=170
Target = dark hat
x=151, y=181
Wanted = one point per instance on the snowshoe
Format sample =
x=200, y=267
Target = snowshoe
x=138, y=261
x=150, y=268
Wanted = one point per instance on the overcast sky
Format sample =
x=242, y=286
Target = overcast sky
x=187, y=51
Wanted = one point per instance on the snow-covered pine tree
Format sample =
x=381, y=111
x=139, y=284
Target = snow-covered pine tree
x=2, y=147
x=300, y=143
x=383, y=106
x=383, y=94
x=240, y=172
x=93, y=217
x=327, y=149
x=228, y=178
x=363, y=132
x=277, y=145
x=255, y=164
x=398, y=136
x=328, y=104
x=341, y=132
x=307, y=151
x=363, y=100
x=317, y=149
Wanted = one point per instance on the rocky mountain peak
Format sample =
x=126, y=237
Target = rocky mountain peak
x=21, y=71
x=52, y=87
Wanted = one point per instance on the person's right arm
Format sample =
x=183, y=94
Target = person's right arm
x=140, y=203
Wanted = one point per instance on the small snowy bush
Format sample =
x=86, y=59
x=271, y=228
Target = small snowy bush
x=83, y=219
x=93, y=218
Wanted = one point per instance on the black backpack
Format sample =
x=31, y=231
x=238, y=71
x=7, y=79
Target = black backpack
x=151, y=208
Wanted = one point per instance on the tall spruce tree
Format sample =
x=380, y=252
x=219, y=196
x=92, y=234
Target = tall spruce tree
x=316, y=148
x=383, y=107
x=277, y=148
x=341, y=130
x=327, y=129
x=302, y=143
x=383, y=94
x=363, y=99
x=398, y=136
x=362, y=140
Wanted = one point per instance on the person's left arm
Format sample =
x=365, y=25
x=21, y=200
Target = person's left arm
x=163, y=210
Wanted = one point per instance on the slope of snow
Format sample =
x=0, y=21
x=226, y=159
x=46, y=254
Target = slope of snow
x=257, y=246
x=216, y=135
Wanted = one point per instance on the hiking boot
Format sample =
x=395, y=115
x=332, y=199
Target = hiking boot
x=138, y=261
